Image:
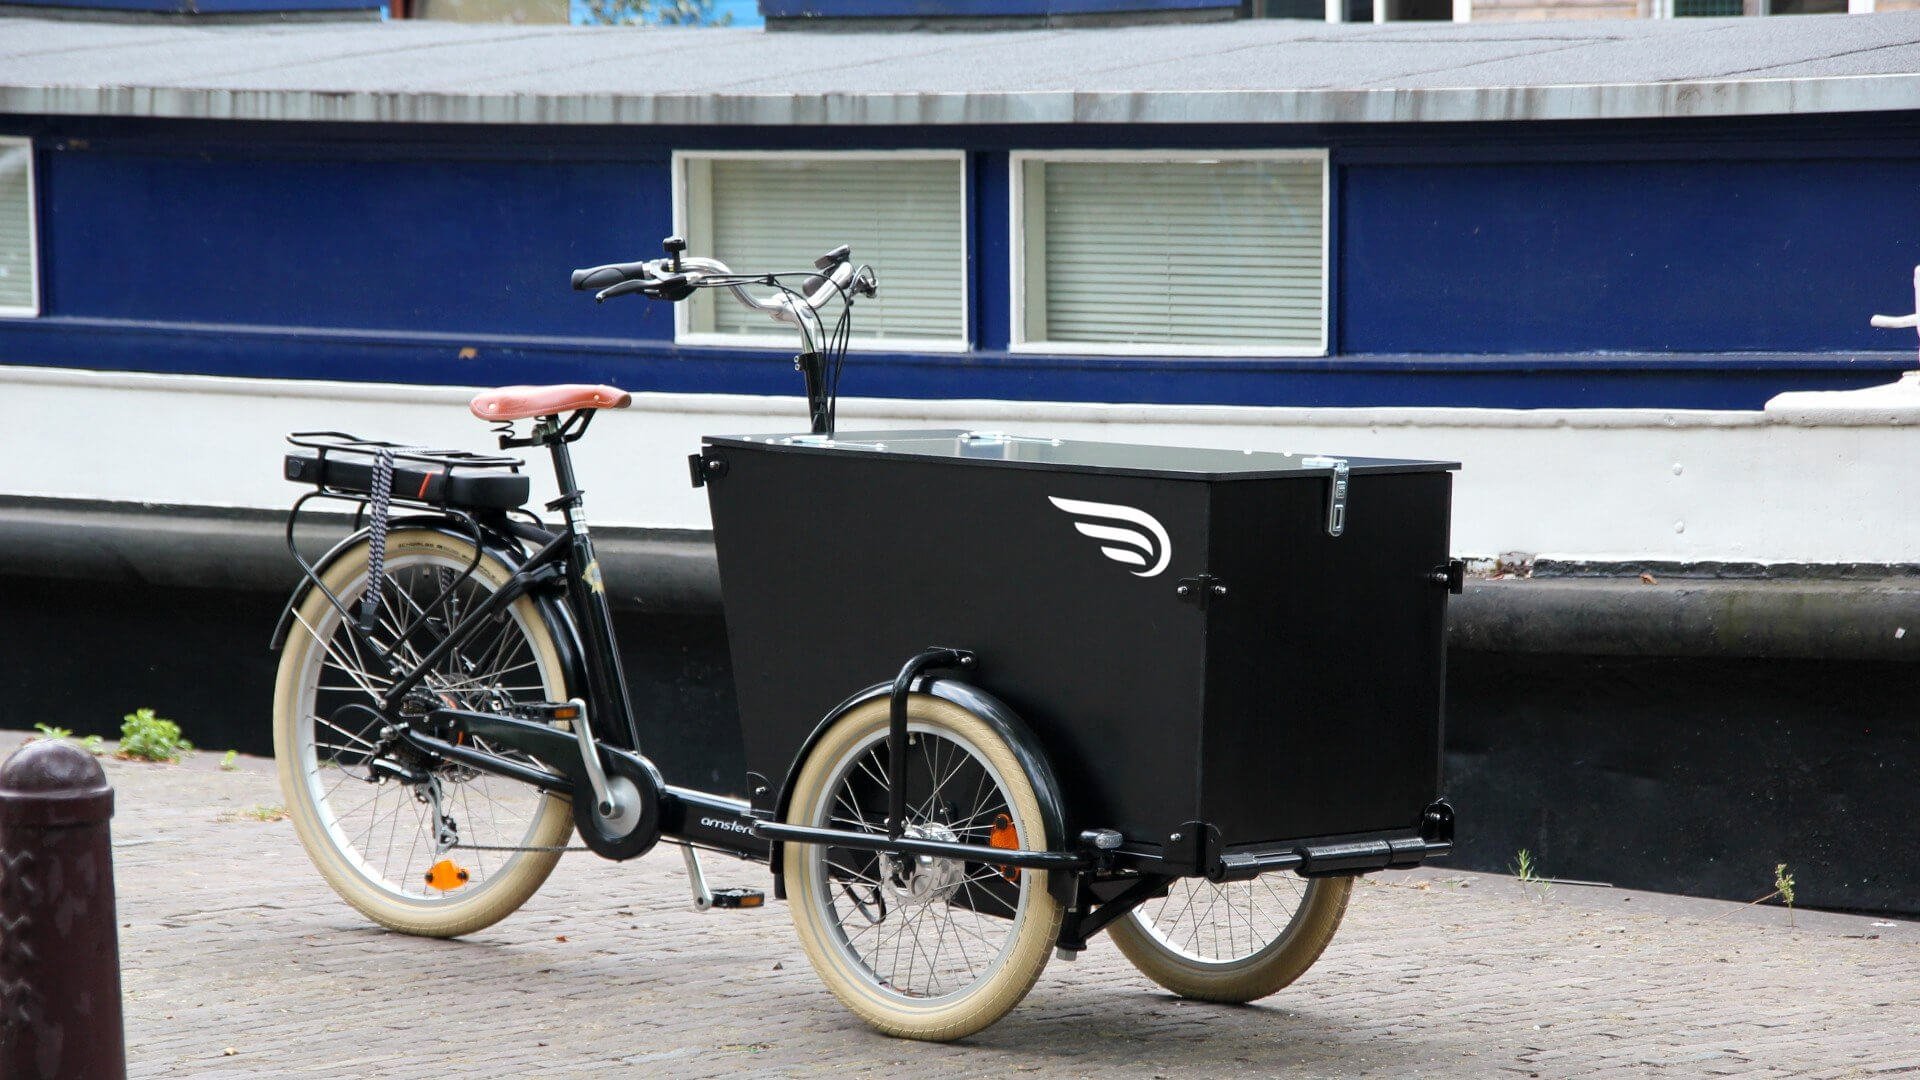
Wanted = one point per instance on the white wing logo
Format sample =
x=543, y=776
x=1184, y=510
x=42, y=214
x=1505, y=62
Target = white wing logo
x=1126, y=535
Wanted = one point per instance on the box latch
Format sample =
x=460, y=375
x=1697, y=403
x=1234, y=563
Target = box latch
x=1336, y=491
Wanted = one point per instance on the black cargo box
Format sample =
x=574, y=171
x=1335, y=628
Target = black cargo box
x=1245, y=649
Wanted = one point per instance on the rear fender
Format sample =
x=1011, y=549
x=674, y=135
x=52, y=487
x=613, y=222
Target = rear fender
x=552, y=608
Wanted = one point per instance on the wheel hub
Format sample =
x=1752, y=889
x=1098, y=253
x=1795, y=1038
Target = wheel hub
x=925, y=879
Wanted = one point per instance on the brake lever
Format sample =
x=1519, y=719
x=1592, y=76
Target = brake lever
x=632, y=285
x=672, y=288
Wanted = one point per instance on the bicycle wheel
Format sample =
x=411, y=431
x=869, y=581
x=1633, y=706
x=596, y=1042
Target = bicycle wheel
x=1233, y=942
x=921, y=947
x=415, y=857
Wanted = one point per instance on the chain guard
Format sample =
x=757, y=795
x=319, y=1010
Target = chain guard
x=602, y=837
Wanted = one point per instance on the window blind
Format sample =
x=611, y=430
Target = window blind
x=16, y=226
x=905, y=216
x=1175, y=253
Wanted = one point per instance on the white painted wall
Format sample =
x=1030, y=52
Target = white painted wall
x=1815, y=478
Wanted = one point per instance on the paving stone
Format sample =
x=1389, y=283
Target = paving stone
x=229, y=938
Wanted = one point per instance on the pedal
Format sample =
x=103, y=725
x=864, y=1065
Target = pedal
x=706, y=899
x=548, y=710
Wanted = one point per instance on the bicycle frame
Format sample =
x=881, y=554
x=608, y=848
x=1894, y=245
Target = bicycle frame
x=500, y=659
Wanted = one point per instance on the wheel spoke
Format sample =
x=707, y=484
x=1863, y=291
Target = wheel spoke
x=386, y=831
x=1225, y=923
x=947, y=921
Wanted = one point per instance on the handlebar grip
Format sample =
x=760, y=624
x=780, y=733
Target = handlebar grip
x=599, y=277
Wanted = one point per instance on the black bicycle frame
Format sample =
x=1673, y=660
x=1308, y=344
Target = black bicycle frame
x=524, y=579
x=565, y=555
x=691, y=816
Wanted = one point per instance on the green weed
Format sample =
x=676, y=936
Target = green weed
x=146, y=737
x=1527, y=872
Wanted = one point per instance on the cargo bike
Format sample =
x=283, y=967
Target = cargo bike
x=997, y=693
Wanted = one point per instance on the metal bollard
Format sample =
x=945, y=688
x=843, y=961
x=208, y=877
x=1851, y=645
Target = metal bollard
x=59, y=943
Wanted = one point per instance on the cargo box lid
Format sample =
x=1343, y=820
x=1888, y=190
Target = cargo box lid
x=1040, y=452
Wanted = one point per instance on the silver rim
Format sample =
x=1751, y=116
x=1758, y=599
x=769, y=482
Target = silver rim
x=922, y=931
x=1225, y=925
x=384, y=829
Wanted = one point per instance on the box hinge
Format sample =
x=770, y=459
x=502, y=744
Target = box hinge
x=1202, y=589
x=1336, y=491
x=703, y=469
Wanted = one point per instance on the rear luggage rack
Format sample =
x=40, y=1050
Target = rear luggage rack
x=374, y=475
x=343, y=464
x=325, y=441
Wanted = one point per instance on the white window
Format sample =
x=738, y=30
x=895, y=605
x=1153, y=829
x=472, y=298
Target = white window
x=903, y=213
x=1219, y=254
x=1681, y=9
x=1380, y=11
x=19, y=291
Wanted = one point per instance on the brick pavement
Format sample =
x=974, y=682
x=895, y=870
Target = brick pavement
x=230, y=942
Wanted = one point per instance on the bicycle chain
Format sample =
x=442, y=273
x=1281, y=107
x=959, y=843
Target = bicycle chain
x=508, y=847
x=579, y=847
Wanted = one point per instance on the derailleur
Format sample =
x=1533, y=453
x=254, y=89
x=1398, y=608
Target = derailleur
x=446, y=832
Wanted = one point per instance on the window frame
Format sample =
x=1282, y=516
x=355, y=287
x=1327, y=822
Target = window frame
x=683, y=332
x=1017, y=247
x=32, y=310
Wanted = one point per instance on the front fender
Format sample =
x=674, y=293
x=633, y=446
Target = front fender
x=1005, y=722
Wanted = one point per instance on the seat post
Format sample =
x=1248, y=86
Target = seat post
x=549, y=433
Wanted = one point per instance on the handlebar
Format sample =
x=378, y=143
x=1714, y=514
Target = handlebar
x=676, y=277
x=1901, y=322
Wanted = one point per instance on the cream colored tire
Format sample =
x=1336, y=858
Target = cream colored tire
x=374, y=842
x=962, y=969
x=1235, y=941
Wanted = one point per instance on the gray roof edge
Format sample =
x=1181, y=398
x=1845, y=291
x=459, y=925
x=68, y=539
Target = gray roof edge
x=1626, y=101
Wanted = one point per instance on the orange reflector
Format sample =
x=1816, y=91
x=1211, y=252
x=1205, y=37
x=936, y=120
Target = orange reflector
x=1006, y=837
x=566, y=712
x=445, y=876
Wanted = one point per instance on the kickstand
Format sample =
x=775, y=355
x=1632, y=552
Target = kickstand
x=702, y=896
